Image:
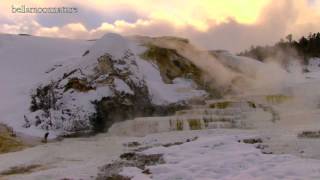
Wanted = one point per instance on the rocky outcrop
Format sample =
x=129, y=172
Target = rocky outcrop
x=105, y=87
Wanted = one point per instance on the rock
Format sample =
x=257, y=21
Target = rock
x=117, y=177
x=252, y=140
x=142, y=160
x=23, y=169
x=262, y=146
x=309, y=134
x=128, y=156
x=146, y=171
x=130, y=159
x=266, y=152
x=172, y=144
x=132, y=144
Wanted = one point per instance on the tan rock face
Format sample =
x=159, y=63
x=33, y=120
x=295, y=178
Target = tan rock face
x=79, y=85
x=105, y=65
x=171, y=64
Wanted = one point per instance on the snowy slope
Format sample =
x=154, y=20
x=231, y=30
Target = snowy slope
x=66, y=99
x=27, y=62
x=24, y=63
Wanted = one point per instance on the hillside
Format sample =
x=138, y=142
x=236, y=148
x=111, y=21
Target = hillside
x=80, y=87
x=120, y=78
x=25, y=62
x=155, y=108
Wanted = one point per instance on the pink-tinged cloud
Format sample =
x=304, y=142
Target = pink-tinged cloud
x=231, y=25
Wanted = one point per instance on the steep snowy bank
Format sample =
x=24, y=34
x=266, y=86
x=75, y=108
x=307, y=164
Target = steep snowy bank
x=110, y=83
x=24, y=63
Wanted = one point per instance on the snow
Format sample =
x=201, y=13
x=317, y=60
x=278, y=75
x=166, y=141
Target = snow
x=121, y=86
x=109, y=43
x=84, y=99
x=134, y=173
x=28, y=62
x=219, y=155
x=70, y=158
x=216, y=154
x=24, y=61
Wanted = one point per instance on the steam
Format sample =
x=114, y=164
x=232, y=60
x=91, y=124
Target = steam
x=280, y=76
x=243, y=75
x=221, y=75
x=280, y=72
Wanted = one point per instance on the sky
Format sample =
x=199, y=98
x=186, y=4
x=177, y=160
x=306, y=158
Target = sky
x=232, y=25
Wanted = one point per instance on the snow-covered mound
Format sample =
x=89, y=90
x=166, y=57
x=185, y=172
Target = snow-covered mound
x=24, y=61
x=111, y=82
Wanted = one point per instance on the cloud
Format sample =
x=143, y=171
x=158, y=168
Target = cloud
x=74, y=30
x=231, y=25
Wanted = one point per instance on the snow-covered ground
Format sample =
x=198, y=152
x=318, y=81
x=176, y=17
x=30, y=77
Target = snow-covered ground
x=214, y=154
x=219, y=155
